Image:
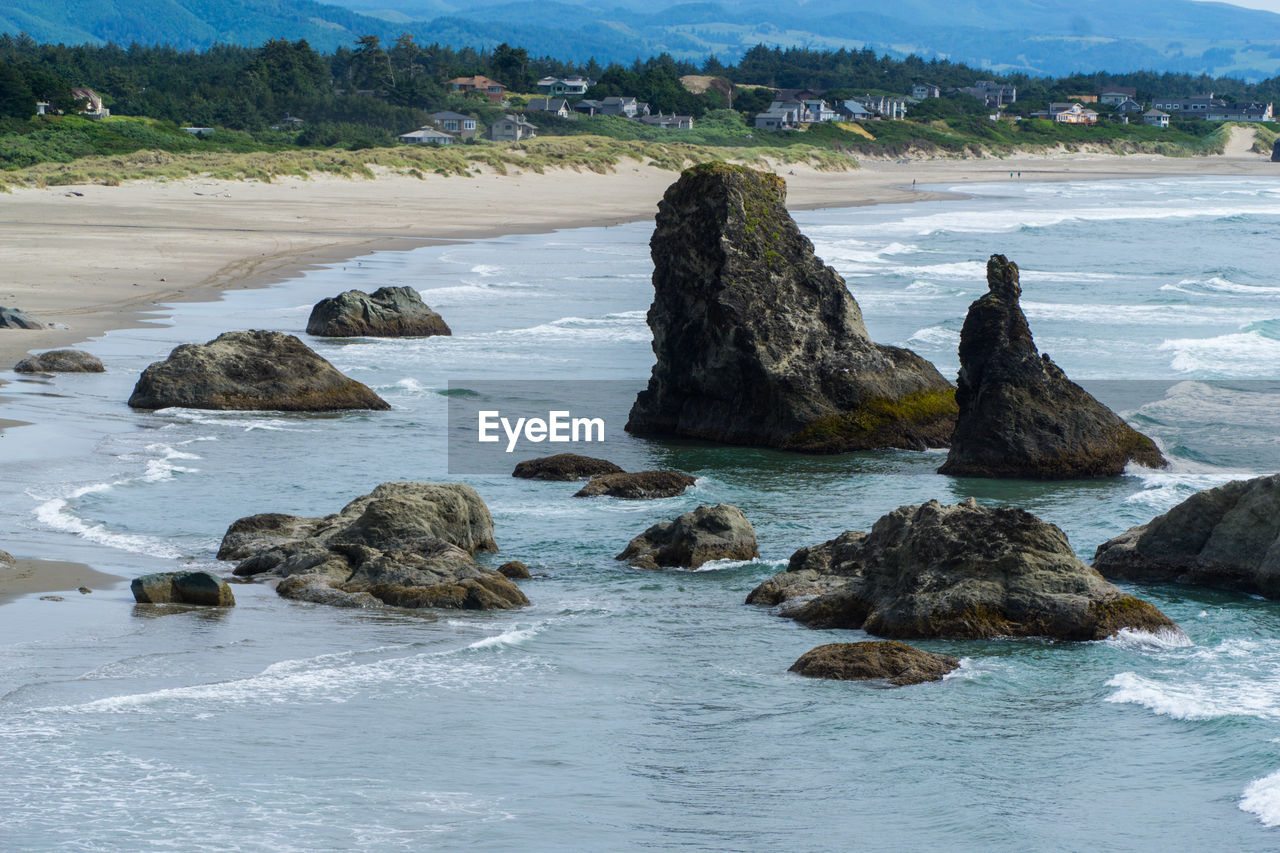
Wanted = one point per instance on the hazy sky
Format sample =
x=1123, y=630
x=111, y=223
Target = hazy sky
x=1269, y=5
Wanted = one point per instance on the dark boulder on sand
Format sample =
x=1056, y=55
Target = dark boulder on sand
x=759, y=343
x=962, y=571
x=402, y=545
x=1227, y=537
x=1020, y=416
x=202, y=588
x=6, y=559
x=60, y=361
x=719, y=532
x=388, y=312
x=14, y=318
x=250, y=371
x=564, y=467
x=641, y=485
x=887, y=660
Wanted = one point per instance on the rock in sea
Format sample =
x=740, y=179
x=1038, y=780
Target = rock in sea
x=719, y=532
x=963, y=572
x=250, y=371
x=204, y=588
x=60, y=361
x=564, y=467
x=639, y=486
x=402, y=545
x=388, y=312
x=760, y=343
x=897, y=663
x=515, y=570
x=1227, y=537
x=1020, y=416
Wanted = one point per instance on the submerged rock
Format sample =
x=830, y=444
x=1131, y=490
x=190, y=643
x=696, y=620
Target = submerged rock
x=203, y=588
x=515, y=570
x=760, y=343
x=13, y=318
x=1020, y=416
x=564, y=467
x=1227, y=537
x=60, y=361
x=250, y=371
x=388, y=312
x=963, y=571
x=402, y=545
x=642, y=485
x=897, y=663
x=719, y=532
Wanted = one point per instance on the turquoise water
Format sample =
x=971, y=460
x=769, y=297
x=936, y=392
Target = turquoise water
x=649, y=709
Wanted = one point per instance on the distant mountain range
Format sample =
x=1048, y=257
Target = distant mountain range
x=1032, y=36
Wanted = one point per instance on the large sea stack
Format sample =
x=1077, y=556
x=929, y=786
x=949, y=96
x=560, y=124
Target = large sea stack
x=250, y=371
x=1020, y=416
x=961, y=572
x=388, y=312
x=1228, y=537
x=760, y=343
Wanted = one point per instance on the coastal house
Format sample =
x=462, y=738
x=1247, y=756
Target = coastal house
x=1114, y=96
x=92, y=107
x=1155, y=118
x=623, y=106
x=816, y=110
x=920, y=91
x=991, y=94
x=1240, y=111
x=851, y=110
x=588, y=107
x=1196, y=106
x=1128, y=106
x=883, y=106
x=1072, y=114
x=457, y=124
x=491, y=89
x=427, y=136
x=671, y=122
x=512, y=128
x=556, y=106
x=781, y=115
x=575, y=86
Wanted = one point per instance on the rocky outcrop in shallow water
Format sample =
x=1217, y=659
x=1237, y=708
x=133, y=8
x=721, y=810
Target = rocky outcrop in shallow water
x=14, y=318
x=1227, y=537
x=61, y=361
x=897, y=663
x=962, y=571
x=638, y=486
x=719, y=532
x=1275, y=152
x=1020, y=416
x=201, y=588
x=388, y=312
x=760, y=343
x=250, y=371
x=564, y=467
x=402, y=545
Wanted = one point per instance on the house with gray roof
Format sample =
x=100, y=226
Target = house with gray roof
x=463, y=127
x=555, y=106
x=512, y=128
x=427, y=136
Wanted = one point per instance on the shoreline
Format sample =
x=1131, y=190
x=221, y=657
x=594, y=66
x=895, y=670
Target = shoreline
x=30, y=576
x=65, y=261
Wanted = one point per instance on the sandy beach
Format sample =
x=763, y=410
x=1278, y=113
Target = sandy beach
x=95, y=258
x=27, y=577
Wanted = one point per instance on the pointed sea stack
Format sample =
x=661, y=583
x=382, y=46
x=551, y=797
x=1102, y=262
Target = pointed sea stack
x=759, y=343
x=1020, y=416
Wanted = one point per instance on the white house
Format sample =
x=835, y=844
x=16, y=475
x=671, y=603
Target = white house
x=427, y=136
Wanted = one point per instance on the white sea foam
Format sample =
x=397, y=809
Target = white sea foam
x=611, y=328
x=1220, y=285
x=935, y=336
x=1148, y=641
x=510, y=637
x=1210, y=696
x=55, y=515
x=1238, y=355
x=1262, y=798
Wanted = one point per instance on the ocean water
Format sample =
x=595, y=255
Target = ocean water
x=631, y=709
